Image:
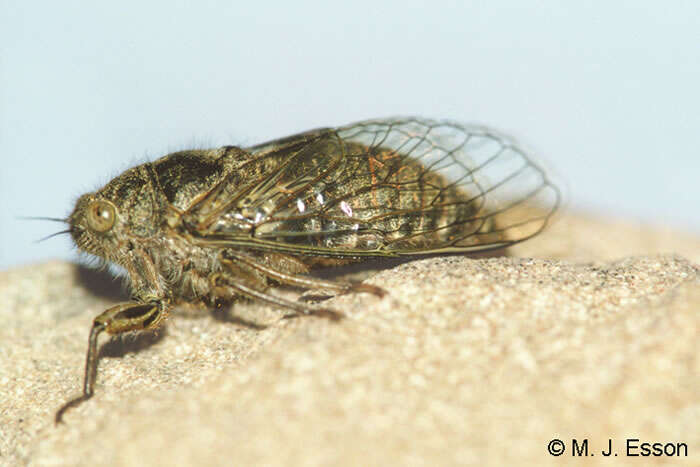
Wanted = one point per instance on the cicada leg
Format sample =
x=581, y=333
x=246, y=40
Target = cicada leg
x=306, y=281
x=242, y=279
x=121, y=318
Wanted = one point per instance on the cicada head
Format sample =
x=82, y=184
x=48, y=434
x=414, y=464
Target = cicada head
x=107, y=222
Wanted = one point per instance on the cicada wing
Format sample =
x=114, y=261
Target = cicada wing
x=386, y=188
x=290, y=143
x=504, y=196
x=266, y=179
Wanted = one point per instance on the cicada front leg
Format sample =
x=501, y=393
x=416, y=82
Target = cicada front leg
x=125, y=317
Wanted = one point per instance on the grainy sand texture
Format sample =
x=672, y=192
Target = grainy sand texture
x=590, y=330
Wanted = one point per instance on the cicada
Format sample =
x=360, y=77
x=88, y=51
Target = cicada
x=210, y=226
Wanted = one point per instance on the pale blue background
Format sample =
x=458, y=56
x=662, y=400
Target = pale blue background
x=607, y=92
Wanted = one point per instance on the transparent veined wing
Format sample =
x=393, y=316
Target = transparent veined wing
x=402, y=186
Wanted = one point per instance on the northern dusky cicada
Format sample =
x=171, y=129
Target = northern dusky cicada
x=207, y=226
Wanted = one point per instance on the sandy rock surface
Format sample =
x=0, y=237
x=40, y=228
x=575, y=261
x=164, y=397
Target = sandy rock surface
x=589, y=331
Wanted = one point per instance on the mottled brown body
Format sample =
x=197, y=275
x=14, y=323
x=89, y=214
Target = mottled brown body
x=207, y=226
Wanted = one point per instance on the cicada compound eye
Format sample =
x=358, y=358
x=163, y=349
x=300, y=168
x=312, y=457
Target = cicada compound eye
x=101, y=215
